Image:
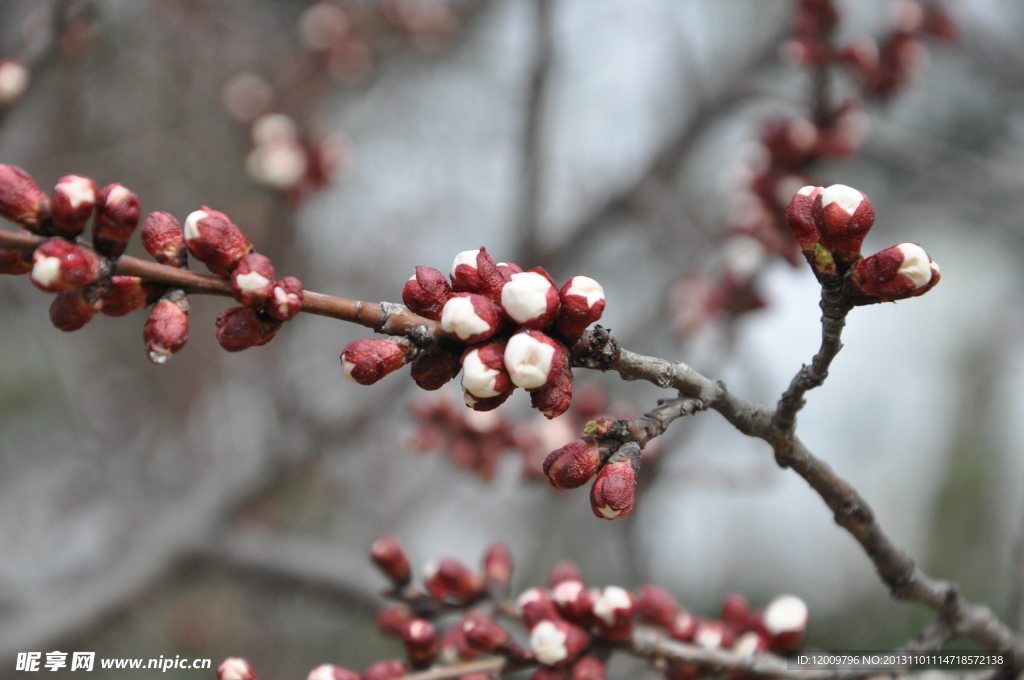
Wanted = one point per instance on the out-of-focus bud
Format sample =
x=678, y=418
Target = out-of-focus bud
x=72, y=309
x=286, y=299
x=657, y=605
x=21, y=199
x=533, y=358
x=127, y=294
x=846, y=218
x=564, y=571
x=389, y=556
x=574, y=602
x=329, y=672
x=614, y=613
x=455, y=646
x=235, y=669
x=713, y=635
x=555, y=397
x=750, y=643
x=531, y=299
x=426, y=292
x=166, y=329
x=386, y=670
x=484, y=634
x=367, y=361
x=215, y=240
x=59, y=264
x=682, y=671
x=391, y=620
x=548, y=673
x=117, y=215
x=784, y=621
x=574, y=464
x=483, y=370
x=736, y=612
x=71, y=205
x=683, y=626
x=498, y=565
x=613, y=493
x=432, y=369
x=470, y=318
x=557, y=643
x=535, y=606
x=449, y=579
x=239, y=328
x=163, y=240
x=14, y=79
x=252, y=280
x=589, y=668
x=420, y=640
x=896, y=273
x=16, y=262
x=582, y=304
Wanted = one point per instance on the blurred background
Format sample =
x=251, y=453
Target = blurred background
x=224, y=504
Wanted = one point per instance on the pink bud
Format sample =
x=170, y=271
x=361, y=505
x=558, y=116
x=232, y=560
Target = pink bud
x=736, y=612
x=127, y=294
x=582, y=304
x=564, y=570
x=420, y=640
x=431, y=369
x=614, y=491
x=896, y=273
x=589, y=668
x=483, y=370
x=235, y=669
x=614, y=611
x=286, y=299
x=531, y=299
x=557, y=643
x=426, y=292
x=72, y=309
x=163, y=240
x=71, y=204
x=389, y=556
x=367, y=361
x=498, y=565
x=574, y=602
x=391, y=620
x=329, y=672
x=386, y=670
x=239, y=328
x=484, y=634
x=470, y=318
x=847, y=216
x=802, y=218
x=215, y=240
x=21, y=199
x=59, y=264
x=555, y=397
x=533, y=358
x=535, y=606
x=166, y=329
x=785, y=621
x=15, y=262
x=574, y=464
x=657, y=605
x=252, y=281
x=683, y=626
x=117, y=215
x=450, y=579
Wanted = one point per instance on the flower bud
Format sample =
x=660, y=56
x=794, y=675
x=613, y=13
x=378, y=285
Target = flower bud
x=126, y=294
x=14, y=261
x=239, y=328
x=163, y=240
x=455, y=646
x=548, y=673
x=488, y=404
x=252, y=281
x=736, y=612
x=386, y=670
x=470, y=318
x=432, y=369
x=474, y=271
x=555, y=397
x=614, y=491
x=531, y=299
x=657, y=605
x=574, y=464
x=367, y=361
x=14, y=79
x=589, y=668
x=389, y=556
x=750, y=643
x=59, y=264
x=420, y=640
x=785, y=621
x=21, y=199
x=535, y=606
x=574, y=602
x=329, y=672
x=117, y=215
x=713, y=635
x=166, y=329
x=683, y=626
x=72, y=309
x=426, y=292
x=896, y=273
x=215, y=240
x=391, y=620
x=498, y=565
x=802, y=218
x=286, y=299
x=71, y=205
x=846, y=218
x=564, y=570
x=532, y=359
x=235, y=669
x=483, y=370
x=583, y=302
x=484, y=634
x=449, y=579
x=557, y=643
x=614, y=611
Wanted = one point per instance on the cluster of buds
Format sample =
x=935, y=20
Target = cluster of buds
x=830, y=225
x=505, y=328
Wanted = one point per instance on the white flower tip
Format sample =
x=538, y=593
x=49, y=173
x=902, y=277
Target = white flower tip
x=588, y=288
x=785, y=613
x=807, y=190
x=191, y=229
x=78, y=190
x=708, y=637
x=528, y=361
x=528, y=596
x=347, y=366
x=612, y=597
x=118, y=194
x=466, y=257
x=45, y=270
x=477, y=378
x=430, y=569
x=252, y=282
x=274, y=127
x=848, y=198
x=916, y=265
x=459, y=317
x=233, y=669
x=525, y=296
x=14, y=79
x=548, y=643
x=746, y=644
x=567, y=591
x=324, y=672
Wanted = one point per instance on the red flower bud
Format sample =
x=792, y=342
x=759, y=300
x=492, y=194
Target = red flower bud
x=557, y=643
x=736, y=612
x=286, y=299
x=450, y=579
x=71, y=205
x=367, y=361
x=498, y=565
x=484, y=634
x=554, y=399
x=489, y=403
x=14, y=261
x=614, y=611
x=59, y=264
x=127, y=294
x=431, y=369
x=614, y=491
x=239, y=328
x=117, y=215
x=749, y=643
x=163, y=240
x=896, y=273
x=802, y=217
x=235, y=669
x=548, y=673
x=574, y=464
x=470, y=318
x=215, y=240
x=713, y=635
x=483, y=371
x=391, y=620
x=784, y=622
x=420, y=640
x=574, y=602
x=683, y=626
x=329, y=672
x=474, y=271
x=582, y=304
x=589, y=668
x=533, y=358
x=455, y=646
x=426, y=292
x=166, y=329
x=386, y=670
x=252, y=281
x=535, y=606
x=21, y=199
x=657, y=605
x=72, y=309
x=846, y=218
x=531, y=299
x=389, y=556
x=564, y=571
